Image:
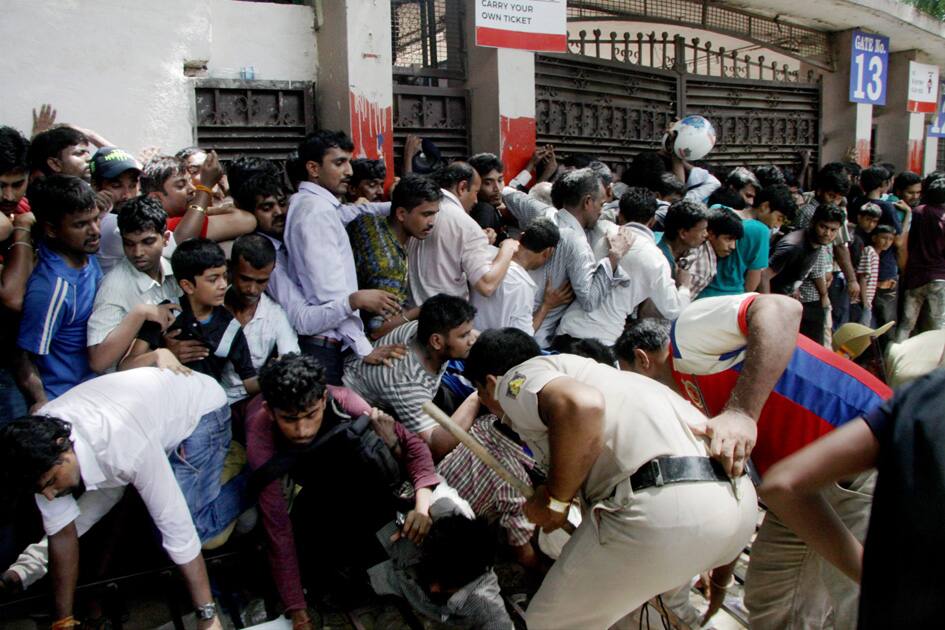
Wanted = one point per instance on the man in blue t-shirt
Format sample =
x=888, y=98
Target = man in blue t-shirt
x=741, y=272
x=61, y=291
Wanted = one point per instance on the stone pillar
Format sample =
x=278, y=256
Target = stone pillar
x=864, y=133
x=355, y=85
x=501, y=86
x=931, y=154
x=843, y=124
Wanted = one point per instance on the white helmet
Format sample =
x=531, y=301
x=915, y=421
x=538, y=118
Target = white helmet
x=695, y=137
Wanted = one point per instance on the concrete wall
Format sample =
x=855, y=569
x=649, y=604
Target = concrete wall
x=117, y=66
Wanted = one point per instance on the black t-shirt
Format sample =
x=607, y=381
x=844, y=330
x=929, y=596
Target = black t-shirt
x=221, y=334
x=902, y=584
x=793, y=257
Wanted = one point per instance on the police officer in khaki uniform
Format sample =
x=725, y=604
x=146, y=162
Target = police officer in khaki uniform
x=656, y=509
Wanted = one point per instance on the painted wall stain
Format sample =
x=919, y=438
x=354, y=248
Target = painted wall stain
x=372, y=132
x=915, y=163
x=518, y=143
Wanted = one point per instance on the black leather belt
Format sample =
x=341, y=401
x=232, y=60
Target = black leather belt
x=321, y=341
x=666, y=470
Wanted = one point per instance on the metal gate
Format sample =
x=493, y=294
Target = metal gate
x=615, y=96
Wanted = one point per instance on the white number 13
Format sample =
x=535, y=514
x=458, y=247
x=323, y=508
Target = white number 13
x=875, y=86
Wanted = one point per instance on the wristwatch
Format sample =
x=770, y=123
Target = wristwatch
x=206, y=612
x=561, y=507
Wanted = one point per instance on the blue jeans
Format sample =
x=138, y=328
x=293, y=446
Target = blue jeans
x=839, y=301
x=197, y=464
x=12, y=403
x=331, y=358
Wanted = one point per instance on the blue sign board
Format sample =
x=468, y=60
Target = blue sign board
x=937, y=128
x=869, y=68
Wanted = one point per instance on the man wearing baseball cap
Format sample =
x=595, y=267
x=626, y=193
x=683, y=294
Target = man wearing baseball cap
x=116, y=171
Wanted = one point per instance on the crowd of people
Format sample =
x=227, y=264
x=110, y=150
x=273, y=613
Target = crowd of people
x=253, y=350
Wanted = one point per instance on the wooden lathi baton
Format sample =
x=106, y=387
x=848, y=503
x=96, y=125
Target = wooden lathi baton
x=483, y=454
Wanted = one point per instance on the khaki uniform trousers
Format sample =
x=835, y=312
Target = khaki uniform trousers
x=636, y=545
x=791, y=587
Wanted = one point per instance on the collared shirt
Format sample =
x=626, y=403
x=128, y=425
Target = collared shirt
x=269, y=330
x=645, y=263
x=751, y=254
x=320, y=262
x=488, y=494
x=123, y=288
x=512, y=303
x=702, y=268
x=791, y=261
x=402, y=388
x=663, y=423
x=573, y=261
x=111, y=251
x=822, y=266
x=926, y=246
x=452, y=258
x=56, y=311
x=124, y=426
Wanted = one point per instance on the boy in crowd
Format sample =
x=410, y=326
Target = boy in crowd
x=264, y=323
x=367, y=180
x=489, y=199
x=379, y=245
x=62, y=150
x=140, y=288
x=266, y=198
x=14, y=174
x=743, y=182
x=866, y=259
x=166, y=179
x=199, y=267
x=883, y=238
x=443, y=331
x=513, y=302
x=297, y=429
x=723, y=232
x=164, y=434
x=924, y=275
x=61, y=292
x=684, y=230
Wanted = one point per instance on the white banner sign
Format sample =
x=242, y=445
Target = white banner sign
x=923, y=88
x=539, y=25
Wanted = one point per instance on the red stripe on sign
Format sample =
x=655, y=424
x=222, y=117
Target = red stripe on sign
x=920, y=107
x=540, y=42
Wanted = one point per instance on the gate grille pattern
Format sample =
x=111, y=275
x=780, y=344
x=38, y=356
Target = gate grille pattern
x=439, y=114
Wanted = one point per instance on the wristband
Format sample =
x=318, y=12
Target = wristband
x=30, y=245
x=405, y=318
x=65, y=623
x=561, y=507
x=198, y=208
x=23, y=229
x=723, y=587
x=202, y=188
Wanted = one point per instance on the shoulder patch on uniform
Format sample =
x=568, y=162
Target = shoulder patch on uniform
x=515, y=385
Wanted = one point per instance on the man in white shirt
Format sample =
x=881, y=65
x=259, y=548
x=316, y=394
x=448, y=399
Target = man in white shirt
x=265, y=325
x=164, y=433
x=513, y=302
x=141, y=287
x=456, y=256
x=644, y=262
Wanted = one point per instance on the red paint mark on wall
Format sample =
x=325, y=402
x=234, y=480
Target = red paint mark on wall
x=915, y=163
x=372, y=132
x=518, y=143
x=863, y=152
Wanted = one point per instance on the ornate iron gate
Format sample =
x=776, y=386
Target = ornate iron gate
x=615, y=96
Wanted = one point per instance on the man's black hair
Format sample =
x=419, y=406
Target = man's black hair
x=651, y=335
x=726, y=197
x=414, y=190
x=261, y=185
x=449, y=176
x=872, y=178
x=904, y=180
x=741, y=177
x=292, y=383
x=827, y=213
x=882, y=228
x=852, y=168
x=638, y=205
x=934, y=192
x=195, y=256
x=832, y=179
x=14, y=151
x=242, y=168
x=141, y=214
x=497, y=351
x=294, y=171
x=29, y=447
x=255, y=249
x=725, y=221
x=52, y=198
x=683, y=215
x=316, y=144
x=587, y=348
x=159, y=169
x=456, y=551
x=769, y=175
x=540, y=234
x=870, y=209
x=50, y=144
x=889, y=166
x=441, y=314
x=485, y=163
x=188, y=152
x=668, y=184
x=363, y=168
x=603, y=172
x=578, y=160
x=780, y=199
x=644, y=170
x=572, y=187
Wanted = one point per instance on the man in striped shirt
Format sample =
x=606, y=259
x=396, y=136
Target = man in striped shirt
x=443, y=331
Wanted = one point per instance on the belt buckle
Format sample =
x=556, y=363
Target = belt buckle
x=657, y=473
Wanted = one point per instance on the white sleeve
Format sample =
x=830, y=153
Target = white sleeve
x=57, y=513
x=33, y=563
x=711, y=334
x=155, y=482
x=286, y=339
